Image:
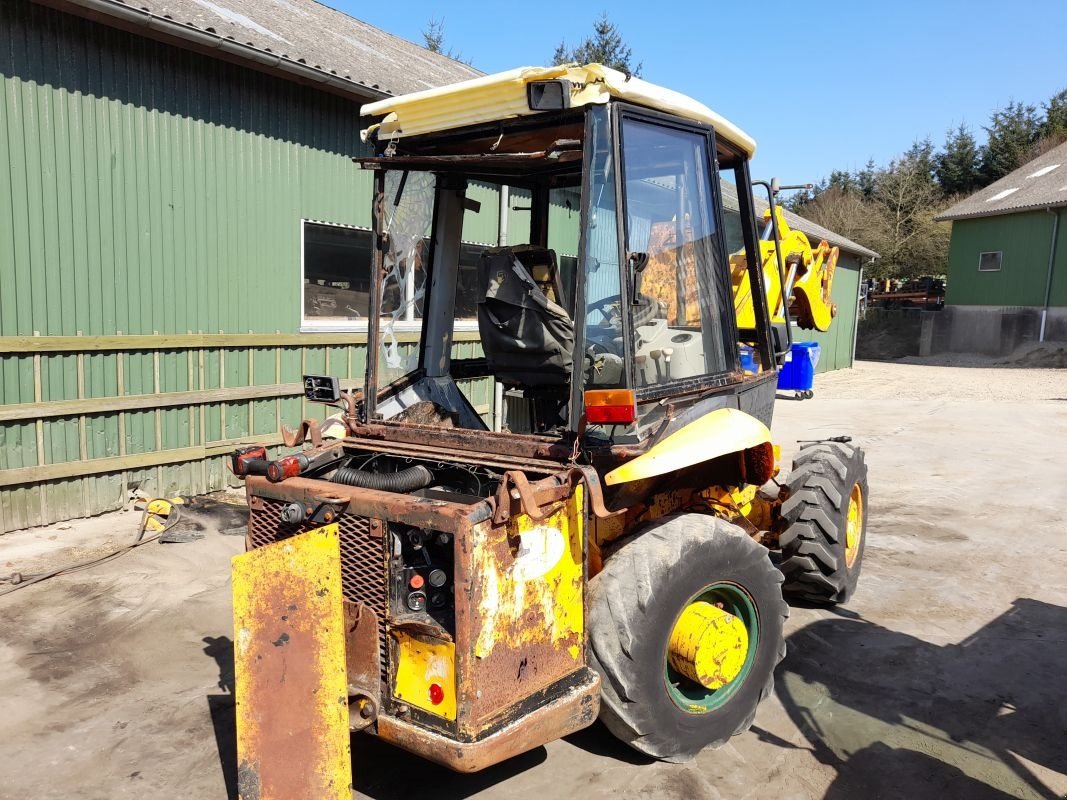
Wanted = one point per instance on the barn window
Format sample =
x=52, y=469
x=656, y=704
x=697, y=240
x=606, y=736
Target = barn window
x=990, y=261
x=336, y=275
x=336, y=269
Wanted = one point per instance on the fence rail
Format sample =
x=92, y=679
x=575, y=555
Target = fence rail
x=85, y=418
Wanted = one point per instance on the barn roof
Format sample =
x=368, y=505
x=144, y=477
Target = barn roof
x=1041, y=183
x=302, y=37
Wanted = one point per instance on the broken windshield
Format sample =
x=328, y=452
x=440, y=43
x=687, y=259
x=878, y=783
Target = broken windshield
x=406, y=221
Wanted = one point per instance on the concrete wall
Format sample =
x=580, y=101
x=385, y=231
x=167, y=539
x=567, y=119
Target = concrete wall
x=993, y=330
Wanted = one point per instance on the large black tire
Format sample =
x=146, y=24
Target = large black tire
x=817, y=564
x=634, y=604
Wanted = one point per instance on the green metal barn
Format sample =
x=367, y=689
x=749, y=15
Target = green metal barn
x=183, y=234
x=1007, y=272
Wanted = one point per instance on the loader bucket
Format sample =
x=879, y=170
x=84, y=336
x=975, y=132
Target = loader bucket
x=293, y=739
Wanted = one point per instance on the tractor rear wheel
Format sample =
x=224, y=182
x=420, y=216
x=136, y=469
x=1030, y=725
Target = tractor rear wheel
x=685, y=628
x=826, y=520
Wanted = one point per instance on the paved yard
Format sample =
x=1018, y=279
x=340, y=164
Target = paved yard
x=942, y=679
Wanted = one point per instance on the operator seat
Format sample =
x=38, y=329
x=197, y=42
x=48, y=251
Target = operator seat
x=527, y=334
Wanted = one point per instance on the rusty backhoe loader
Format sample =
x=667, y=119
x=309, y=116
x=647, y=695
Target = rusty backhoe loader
x=469, y=588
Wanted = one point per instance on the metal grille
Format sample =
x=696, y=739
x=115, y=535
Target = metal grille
x=362, y=557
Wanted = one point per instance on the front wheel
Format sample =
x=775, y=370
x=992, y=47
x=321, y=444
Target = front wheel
x=826, y=523
x=685, y=628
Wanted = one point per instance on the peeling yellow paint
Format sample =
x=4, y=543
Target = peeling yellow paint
x=290, y=670
x=534, y=593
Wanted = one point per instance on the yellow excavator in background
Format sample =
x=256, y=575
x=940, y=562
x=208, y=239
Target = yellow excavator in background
x=806, y=273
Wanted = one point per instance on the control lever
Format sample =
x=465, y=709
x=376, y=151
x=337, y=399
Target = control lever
x=656, y=355
x=641, y=361
x=667, y=353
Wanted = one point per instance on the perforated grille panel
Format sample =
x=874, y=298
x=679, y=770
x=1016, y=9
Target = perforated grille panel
x=363, y=576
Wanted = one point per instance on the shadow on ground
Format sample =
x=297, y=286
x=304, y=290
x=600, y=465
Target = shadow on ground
x=897, y=716
x=380, y=770
x=893, y=715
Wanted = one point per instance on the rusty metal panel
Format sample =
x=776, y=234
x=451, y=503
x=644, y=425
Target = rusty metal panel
x=291, y=672
x=520, y=621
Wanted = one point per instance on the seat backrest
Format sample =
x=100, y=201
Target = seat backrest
x=527, y=337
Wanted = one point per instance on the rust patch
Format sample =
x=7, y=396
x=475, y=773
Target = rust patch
x=571, y=711
x=363, y=664
x=292, y=704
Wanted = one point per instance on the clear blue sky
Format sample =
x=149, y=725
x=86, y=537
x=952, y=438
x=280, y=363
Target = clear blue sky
x=849, y=81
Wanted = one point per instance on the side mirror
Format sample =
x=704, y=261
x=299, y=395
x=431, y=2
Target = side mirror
x=322, y=389
x=776, y=186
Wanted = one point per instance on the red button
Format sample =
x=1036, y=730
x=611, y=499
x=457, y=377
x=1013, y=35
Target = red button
x=437, y=694
x=416, y=581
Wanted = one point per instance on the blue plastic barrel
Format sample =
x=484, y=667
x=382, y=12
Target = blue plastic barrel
x=798, y=370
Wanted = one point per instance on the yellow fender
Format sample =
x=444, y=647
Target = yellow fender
x=718, y=433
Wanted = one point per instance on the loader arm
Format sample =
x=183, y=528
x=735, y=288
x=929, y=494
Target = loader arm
x=809, y=279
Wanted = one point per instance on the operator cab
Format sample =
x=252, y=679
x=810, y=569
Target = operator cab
x=611, y=295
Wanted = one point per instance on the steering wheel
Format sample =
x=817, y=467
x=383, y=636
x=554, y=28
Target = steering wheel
x=612, y=317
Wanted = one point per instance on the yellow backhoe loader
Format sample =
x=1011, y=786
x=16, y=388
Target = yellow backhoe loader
x=469, y=588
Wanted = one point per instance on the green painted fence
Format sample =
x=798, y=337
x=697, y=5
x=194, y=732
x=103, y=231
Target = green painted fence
x=160, y=412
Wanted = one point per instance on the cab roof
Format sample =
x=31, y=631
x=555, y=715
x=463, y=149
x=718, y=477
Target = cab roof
x=503, y=96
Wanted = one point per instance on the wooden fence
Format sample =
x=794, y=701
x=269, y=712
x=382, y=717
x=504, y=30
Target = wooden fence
x=85, y=419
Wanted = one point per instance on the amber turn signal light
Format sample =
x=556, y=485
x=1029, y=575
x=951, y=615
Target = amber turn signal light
x=610, y=406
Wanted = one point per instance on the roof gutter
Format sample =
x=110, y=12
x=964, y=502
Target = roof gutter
x=1051, y=265
x=140, y=18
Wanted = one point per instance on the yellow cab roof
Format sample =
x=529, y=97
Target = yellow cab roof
x=503, y=96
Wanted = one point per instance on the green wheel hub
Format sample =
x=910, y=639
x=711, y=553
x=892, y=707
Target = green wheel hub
x=686, y=693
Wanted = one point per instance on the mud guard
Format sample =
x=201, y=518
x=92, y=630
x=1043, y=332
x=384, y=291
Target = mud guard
x=293, y=739
x=723, y=431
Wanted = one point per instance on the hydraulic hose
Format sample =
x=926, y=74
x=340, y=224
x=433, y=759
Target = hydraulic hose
x=408, y=480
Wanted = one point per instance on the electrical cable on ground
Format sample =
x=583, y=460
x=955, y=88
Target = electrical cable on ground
x=21, y=581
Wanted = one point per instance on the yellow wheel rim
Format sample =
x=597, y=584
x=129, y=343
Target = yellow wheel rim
x=854, y=526
x=708, y=645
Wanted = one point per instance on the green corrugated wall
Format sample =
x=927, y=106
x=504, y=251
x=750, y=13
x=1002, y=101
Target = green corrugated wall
x=147, y=189
x=1024, y=239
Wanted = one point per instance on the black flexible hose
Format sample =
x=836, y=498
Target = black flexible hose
x=408, y=480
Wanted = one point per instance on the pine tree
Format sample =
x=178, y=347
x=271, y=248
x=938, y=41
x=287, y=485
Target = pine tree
x=959, y=164
x=433, y=36
x=842, y=180
x=1054, y=126
x=921, y=155
x=1012, y=132
x=866, y=178
x=606, y=46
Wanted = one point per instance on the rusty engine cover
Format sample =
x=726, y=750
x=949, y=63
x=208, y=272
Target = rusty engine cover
x=518, y=592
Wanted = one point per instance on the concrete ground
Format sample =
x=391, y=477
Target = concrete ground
x=942, y=679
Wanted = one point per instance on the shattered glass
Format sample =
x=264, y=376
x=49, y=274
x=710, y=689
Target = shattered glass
x=408, y=216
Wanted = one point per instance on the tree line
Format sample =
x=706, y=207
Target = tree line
x=891, y=208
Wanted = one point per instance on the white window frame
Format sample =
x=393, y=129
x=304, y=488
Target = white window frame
x=1000, y=260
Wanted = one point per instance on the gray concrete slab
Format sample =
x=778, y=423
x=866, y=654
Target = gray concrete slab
x=942, y=679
